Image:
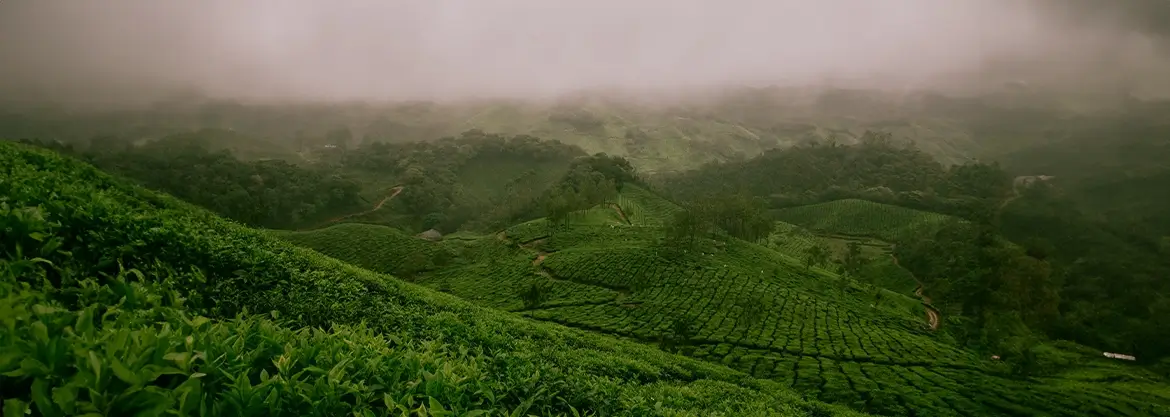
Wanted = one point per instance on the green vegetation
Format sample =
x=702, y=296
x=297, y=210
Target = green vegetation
x=884, y=271
x=94, y=275
x=864, y=218
x=270, y=193
x=376, y=248
x=763, y=313
x=1100, y=273
x=797, y=328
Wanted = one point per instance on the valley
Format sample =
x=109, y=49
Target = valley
x=850, y=273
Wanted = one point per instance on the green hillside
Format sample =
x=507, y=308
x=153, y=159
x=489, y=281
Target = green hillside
x=121, y=301
x=376, y=248
x=762, y=312
x=864, y=218
x=752, y=252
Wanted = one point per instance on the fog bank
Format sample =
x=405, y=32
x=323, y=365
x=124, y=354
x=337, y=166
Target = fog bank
x=125, y=50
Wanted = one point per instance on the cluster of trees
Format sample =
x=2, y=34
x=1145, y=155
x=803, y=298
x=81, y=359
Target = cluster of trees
x=718, y=217
x=437, y=174
x=273, y=193
x=591, y=180
x=875, y=169
x=999, y=289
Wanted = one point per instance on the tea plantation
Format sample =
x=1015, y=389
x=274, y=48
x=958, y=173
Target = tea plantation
x=763, y=312
x=120, y=301
x=863, y=218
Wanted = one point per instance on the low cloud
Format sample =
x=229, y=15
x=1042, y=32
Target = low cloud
x=445, y=49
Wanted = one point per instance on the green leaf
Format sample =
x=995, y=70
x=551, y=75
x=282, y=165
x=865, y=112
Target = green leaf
x=179, y=358
x=40, y=332
x=96, y=364
x=42, y=397
x=10, y=359
x=436, y=407
x=191, y=397
x=65, y=398
x=123, y=373
x=29, y=366
x=199, y=321
x=84, y=323
x=15, y=408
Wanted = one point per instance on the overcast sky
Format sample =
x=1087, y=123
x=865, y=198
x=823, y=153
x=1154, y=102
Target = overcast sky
x=450, y=48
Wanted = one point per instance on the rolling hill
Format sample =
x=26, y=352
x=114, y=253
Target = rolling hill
x=148, y=304
x=761, y=311
x=854, y=217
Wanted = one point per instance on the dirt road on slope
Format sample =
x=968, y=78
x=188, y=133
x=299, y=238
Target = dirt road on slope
x=1018, y=183
x=394, y=193
x=932, y=315
x=620, y=213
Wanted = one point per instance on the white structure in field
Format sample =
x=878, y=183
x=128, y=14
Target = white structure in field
x=1119, y=356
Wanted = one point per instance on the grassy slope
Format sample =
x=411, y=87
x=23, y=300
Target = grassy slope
x=376, y=248
x=863, y=218
x=794, y=240
x=107, y=224
x=808, y=332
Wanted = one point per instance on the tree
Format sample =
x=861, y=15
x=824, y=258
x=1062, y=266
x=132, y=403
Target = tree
x=681, y=331
x=815, y=255
x=536, y=294
x=853, y=259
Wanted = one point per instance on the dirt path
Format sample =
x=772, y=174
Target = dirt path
x=932, y=315
x=1019, y=182
x=620, y=213
x=394, y=193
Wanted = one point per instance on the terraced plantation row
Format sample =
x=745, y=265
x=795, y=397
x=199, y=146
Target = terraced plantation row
x=726, y=307
x=643, y=208
x=760, y=326
x=376, y=248
x=501, y=286
x=761, y=311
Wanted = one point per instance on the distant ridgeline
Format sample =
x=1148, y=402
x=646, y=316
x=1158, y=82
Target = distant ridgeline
x=876, y=169
x=483, y=181
x=473, y=181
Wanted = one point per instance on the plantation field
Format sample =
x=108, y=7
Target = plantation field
x=829, y=347
x=121, y=301
x=757, y=309
x=644, y=208
x=376, y=248
x=487, y=178
x=879, y=266
x=863, y=218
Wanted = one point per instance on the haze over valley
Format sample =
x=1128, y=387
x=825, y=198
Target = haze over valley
x=686, y=208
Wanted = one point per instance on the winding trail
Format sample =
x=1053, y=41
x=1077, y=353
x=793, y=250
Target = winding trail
x=394, y=193
x=1019, y=182
x=932, y=314
x=620, y=213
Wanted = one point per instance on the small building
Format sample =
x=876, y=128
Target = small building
x=431, y=235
